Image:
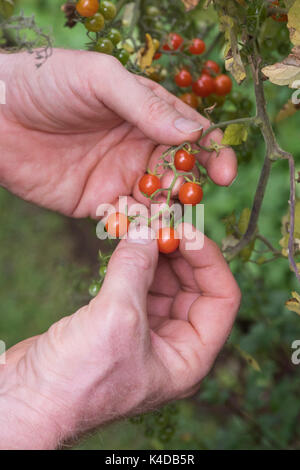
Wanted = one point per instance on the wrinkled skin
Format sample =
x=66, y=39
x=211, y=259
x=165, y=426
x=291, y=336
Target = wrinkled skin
x=77, y=132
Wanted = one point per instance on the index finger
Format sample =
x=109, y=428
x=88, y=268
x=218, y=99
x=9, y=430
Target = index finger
x=221, y=168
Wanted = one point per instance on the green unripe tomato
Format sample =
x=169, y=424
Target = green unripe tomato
x=104, y=45
x=108, y=10
x=270, y=43
x=7, y=8
x=95, y=288
x=123, y=56
x=114, y=36
x=152, y=10
x=95, y=23
x=159, y=25
x=102, y=271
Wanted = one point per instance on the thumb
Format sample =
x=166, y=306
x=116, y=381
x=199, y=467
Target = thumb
x=138, y=104
x=131, y=271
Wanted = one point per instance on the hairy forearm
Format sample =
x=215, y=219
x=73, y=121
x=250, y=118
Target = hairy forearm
x=26, y=419
x=17, y=432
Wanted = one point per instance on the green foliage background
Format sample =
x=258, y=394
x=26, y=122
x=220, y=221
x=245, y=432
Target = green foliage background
x=47, y=261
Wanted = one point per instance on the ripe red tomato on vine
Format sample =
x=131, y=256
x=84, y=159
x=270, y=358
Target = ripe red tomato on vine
x=149, y=184
x=117, y=224
x=157, y=55
x=279, y=17
x=174, y=41
x=211, y=67
x=183, y=78
x=197, y=46
x=190, y=193
x=223, y=85
x=204, y=86
x=87, y=8
x=190, y=98
x=184, y=161
x=167, y=240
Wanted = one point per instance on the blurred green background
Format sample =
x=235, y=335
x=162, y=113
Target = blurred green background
x=48, y=261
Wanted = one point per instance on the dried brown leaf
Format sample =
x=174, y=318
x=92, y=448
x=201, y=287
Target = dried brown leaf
x=289, y=109
x=190, y=4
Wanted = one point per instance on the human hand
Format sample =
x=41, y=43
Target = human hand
x=150, y=336
x=81, y=130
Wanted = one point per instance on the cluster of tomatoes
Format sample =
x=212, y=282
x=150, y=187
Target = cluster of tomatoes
x=210, y=82
x=279, y=17
x=190, y=192
x=96, y=16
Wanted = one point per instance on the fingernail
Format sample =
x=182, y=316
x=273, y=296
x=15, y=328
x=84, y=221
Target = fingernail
x=141, y=235
x=187, y=126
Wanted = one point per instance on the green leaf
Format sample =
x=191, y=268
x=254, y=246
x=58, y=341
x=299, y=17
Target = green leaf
x=233, y=60
x=244, y=220
x=235, y=134
x=294, y=303
x=285, y=224
x=246, y=253
x=230, y=224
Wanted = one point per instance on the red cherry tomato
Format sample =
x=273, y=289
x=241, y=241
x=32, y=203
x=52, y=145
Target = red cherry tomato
x=87, y=8
x=279, y=17
x=197, y=47
x=117, y=224
x=168, y=240
x=211, y=67
x=190, y=193
x=223, y=85
x=190, y=99
x=173, y=43
x=149, y=184
x=184, y=161
x=183, y=78
x=204, y=86
x=157, y=55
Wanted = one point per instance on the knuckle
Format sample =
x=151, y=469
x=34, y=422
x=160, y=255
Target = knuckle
x=156, y=107
x=130, y=319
